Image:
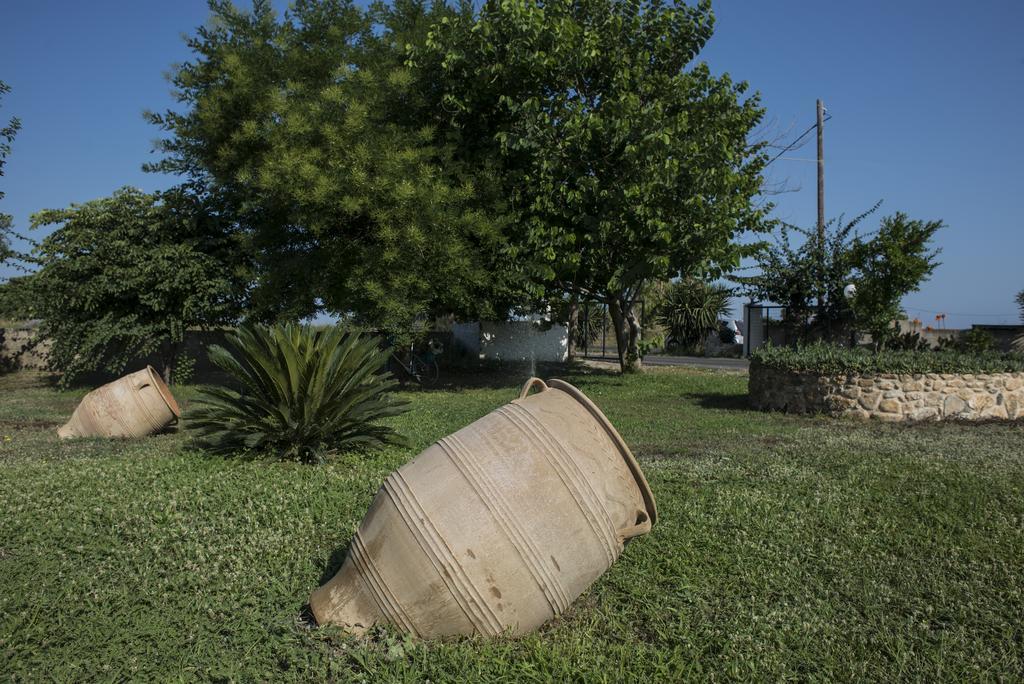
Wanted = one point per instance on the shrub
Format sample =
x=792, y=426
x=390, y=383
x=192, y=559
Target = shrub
x=649, y=344
x=184, y=369
x=123, y=277
x=826, y=359
x=808, y=276
x=973, y=341
x=908, y=341
x=306, y=393
x=977, y=341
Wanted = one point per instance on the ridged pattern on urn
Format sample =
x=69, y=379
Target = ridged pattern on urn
x=496, y=528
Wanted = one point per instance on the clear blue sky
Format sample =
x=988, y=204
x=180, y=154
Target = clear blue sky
x=927, y=100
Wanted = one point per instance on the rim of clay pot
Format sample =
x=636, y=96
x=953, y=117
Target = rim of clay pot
x=165, y=391
x=627, y=455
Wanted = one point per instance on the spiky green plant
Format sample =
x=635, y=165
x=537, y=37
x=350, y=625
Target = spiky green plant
x=590, y=319
x=691, y=311
x=305, y=394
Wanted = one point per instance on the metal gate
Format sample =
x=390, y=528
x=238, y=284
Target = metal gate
x=595, y=336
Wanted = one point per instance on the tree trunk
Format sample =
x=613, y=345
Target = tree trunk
x=633, y=348
x=170, y=355
x=627, y=335
x=574, y=322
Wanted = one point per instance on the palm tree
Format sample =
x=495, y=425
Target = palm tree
x=691, y=311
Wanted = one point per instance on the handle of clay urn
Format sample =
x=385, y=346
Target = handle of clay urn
x=139, y=384
x=530, y=384
x=641, y=528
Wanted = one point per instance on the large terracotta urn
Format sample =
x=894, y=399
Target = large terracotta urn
x=136, y=405
x=496, y=528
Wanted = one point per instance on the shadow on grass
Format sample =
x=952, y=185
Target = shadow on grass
x=452, y=378
x=333, y=564
x=714, y=400
x=506, y=375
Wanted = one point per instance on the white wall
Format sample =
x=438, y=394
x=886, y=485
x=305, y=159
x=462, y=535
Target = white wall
x=523, y=341
x=753, y=336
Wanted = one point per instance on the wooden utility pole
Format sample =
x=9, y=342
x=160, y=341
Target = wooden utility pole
x=821, y=202
x=821, y=173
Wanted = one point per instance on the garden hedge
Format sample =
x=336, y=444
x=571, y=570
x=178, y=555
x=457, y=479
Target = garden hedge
x=826, y=359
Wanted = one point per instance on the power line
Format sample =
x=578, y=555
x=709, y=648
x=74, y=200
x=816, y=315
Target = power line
x=953, y=313
x=793, y=144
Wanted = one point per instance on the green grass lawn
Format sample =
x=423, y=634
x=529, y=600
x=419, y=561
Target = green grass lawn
x=787, y=548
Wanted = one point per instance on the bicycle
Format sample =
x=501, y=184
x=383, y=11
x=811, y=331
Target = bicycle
x=423, y=369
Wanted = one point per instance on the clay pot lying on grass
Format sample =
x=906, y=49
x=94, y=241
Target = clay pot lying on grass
x=137, y=405
x=496, y=528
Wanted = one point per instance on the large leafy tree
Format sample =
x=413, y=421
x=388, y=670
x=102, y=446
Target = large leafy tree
x=7, y=133
x=316, y=134
x=625, y=159
x=125, y=276
x=883, y=266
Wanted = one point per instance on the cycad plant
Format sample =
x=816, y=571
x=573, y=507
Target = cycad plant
x=306, y=393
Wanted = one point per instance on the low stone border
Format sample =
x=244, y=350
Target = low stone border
x=890, y=397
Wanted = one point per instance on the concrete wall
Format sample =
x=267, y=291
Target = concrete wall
x=890, y=397
x=510, y=341
x=466, y=338
x=523, y=341
x=753, y=335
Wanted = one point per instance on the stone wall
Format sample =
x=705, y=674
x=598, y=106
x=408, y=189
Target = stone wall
x=890, y=397
x=19, y=351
